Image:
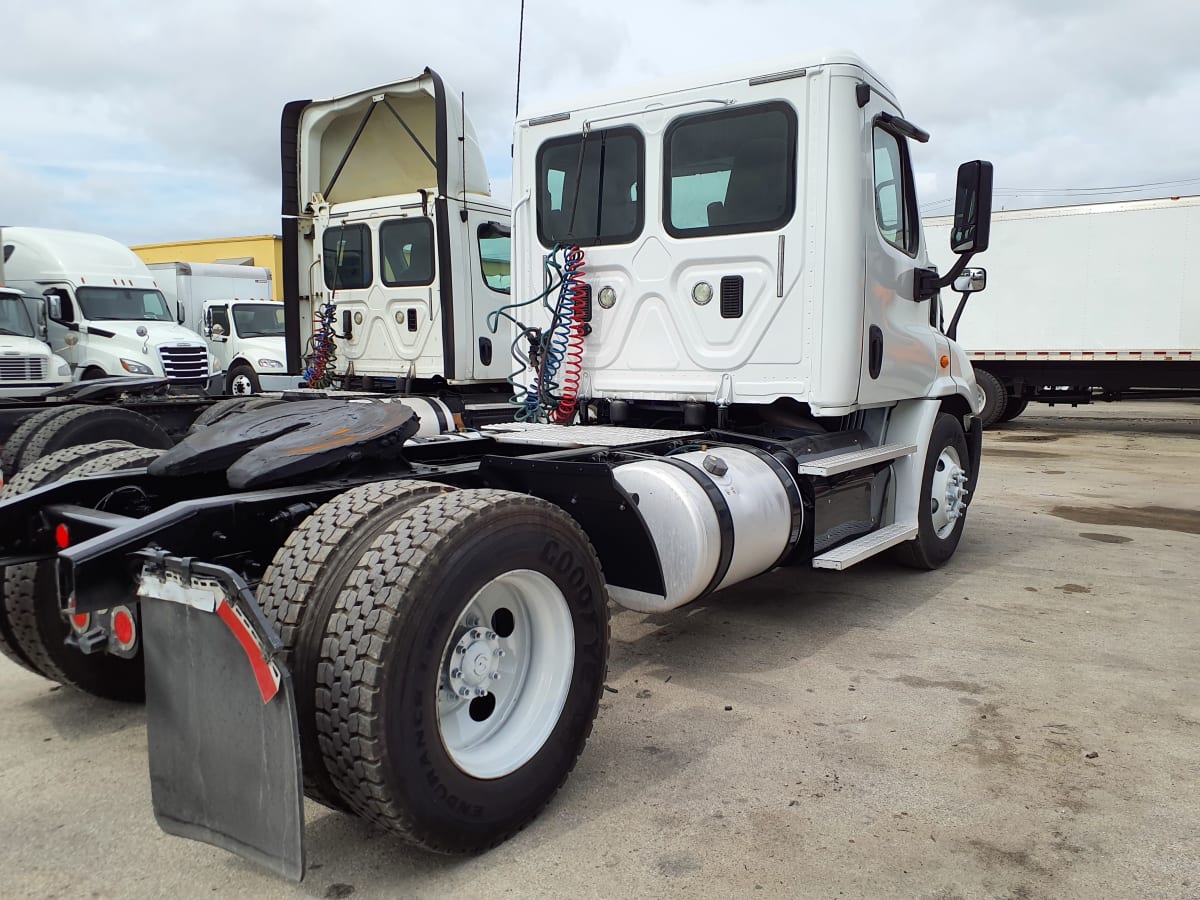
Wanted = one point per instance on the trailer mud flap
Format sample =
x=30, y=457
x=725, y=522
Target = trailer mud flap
x=223, y=736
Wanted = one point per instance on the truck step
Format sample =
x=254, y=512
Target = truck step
x=856, y=459
x=868, y=545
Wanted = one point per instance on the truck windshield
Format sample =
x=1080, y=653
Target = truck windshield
x=116, y=303
x=258, y=319
x=14, y=317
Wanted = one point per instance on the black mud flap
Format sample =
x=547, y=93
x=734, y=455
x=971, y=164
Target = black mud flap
x=975, y=448
x=223, y=738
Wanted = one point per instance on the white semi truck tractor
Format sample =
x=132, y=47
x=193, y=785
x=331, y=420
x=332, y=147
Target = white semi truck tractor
x=731, y=359
x=394, y=252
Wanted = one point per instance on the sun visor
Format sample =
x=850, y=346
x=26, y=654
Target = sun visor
x=399, y=139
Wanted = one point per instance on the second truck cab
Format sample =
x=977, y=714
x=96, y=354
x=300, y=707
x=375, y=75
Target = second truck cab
x=105, y=314
x=394, y=251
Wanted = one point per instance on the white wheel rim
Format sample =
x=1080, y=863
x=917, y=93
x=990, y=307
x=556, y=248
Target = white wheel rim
x=949, y=492
x=242, y=385
x=500, y=695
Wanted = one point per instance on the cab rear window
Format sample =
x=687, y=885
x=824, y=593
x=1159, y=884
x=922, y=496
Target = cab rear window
x=591, y=188
x=346, y=253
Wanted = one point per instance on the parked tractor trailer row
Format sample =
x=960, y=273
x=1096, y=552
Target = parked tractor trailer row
x=374, y=604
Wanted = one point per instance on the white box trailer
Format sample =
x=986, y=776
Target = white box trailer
x=191, y=284
x=1094, y=302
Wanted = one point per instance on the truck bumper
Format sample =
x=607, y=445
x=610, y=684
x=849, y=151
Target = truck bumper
x=223, y=738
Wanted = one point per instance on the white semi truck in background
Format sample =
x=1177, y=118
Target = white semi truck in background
x=1085, y=303
x=105, y=315
x=408, y=619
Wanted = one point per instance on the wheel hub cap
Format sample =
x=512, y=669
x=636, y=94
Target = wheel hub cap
x=948, y=502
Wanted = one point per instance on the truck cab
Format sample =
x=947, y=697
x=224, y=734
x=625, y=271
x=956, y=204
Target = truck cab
x=750, y=239
x=27, y=367
x=394, y=252
x=105, y=314
x=246, y=338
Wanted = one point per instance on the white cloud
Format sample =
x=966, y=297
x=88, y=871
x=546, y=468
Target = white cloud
x=160, y=121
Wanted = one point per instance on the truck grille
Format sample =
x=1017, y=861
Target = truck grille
x=186, y=363
x=22, y=368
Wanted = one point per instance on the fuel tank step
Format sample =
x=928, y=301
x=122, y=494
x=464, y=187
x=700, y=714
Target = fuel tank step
x=856, y=459
x=868, y=545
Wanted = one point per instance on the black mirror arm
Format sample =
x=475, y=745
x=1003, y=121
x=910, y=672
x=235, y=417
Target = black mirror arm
x=928, y=282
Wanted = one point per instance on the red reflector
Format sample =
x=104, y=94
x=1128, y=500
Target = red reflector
x=62, y=537
x=81, y=621
x=122, y=623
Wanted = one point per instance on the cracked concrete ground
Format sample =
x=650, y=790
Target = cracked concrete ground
x=1022, y=723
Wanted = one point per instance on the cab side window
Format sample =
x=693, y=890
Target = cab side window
x=895, y=199
x=220, y=316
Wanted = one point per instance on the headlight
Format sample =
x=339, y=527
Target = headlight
x=270, y=364
x=136, y=368
x=64, y=369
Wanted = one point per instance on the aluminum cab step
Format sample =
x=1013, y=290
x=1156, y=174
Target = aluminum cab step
x=856, y=459
x=868, y=545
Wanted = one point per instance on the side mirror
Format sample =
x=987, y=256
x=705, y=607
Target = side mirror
x=54, y=302
x=179, y=312
x=972, y=208
x=971, y=281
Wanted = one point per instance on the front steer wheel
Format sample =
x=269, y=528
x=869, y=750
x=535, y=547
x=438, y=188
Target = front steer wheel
x=942, y=506
x=462, y=668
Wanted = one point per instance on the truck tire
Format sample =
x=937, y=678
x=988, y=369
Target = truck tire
x=30, y=590
x=89, y=425
x=21, y=436
x=994, y=396
x=940, y=512
x=44, y=472
x=459, y=588
x=1013, y=407
x=229, y=405
x=242, y=381
x=298, y=590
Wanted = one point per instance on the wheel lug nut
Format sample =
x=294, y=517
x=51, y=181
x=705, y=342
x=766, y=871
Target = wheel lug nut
x=491, y=635
x=495, y=676
x=460, y=650
x=499, y=652
x=476, y=635
x=464, y=692
x=480, y=692
x=456, y=673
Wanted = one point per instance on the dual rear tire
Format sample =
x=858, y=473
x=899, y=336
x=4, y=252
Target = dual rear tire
x=449, y=650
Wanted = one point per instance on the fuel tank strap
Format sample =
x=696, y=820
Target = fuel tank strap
x=724, y=519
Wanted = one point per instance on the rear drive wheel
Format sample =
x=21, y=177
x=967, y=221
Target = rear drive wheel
x=993, y=395
x=462, y=668
x=41, y=629
x=22, y=435
x=941, y=510
x=1013, y=407
x=242, y=380
x=91, y=424
x=300, y=586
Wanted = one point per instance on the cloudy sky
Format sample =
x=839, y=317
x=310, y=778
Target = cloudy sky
x=152, y=121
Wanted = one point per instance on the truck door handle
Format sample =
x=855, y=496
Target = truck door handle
x=875, y=351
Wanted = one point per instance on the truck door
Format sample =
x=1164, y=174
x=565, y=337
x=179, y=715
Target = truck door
x=219, y=344
x=899, y=355
x=489, y=282
x=383, y=278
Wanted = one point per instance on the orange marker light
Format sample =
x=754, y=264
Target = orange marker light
x=945, y=361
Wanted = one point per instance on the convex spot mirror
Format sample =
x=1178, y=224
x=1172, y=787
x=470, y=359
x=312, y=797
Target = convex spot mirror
x=972, y=208
x=971, y=281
